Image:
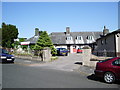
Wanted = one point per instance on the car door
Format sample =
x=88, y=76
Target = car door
x=116, y=67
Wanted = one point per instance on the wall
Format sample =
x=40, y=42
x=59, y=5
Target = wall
x=108, y=45
x=87, y=57
x=69, y=41
x=47, y=54
x=118, y=44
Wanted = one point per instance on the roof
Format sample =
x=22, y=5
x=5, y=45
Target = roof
x=33, y=39
x=60, y=37
x=117, y=31
x=114, y=32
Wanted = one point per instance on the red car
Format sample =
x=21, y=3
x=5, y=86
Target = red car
x=79, y=50
x=108, y=69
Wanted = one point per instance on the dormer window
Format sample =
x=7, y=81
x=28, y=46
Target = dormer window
x=90, y=37
x=69, y=38
x=79, y=38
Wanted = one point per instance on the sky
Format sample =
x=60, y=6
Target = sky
x=56, y=16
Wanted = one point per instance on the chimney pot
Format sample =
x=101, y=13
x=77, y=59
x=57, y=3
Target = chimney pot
x=105, y=31
x=36, y=32
x=67, y=30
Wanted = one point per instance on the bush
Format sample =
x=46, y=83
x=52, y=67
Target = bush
x=53, y=51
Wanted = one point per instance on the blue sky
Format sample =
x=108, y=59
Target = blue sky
x=56, y=16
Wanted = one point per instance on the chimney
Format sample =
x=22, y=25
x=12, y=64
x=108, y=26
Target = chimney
x=105, y=31
x=36, y=32
x=67, y=30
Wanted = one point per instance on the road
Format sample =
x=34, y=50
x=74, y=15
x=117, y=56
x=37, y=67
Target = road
x=24, y=74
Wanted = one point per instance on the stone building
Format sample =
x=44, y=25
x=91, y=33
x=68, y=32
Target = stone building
x=74, y=40
x=32, y=40
x=108, y=44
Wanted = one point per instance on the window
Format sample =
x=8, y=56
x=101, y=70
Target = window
x=117, y=62
x=69, y=38
x=90, y=37
x=79, y=38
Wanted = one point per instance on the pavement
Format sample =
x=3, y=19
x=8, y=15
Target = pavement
x=67, y=63
x=86, y=70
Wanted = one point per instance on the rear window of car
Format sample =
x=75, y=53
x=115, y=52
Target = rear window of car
x=62, y=49
x=106, y=60
x=116, y=62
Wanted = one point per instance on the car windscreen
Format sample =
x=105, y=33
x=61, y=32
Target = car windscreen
x=4, y=51
x=62, y=49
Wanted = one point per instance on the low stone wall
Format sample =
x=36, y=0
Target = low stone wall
x=91, y=60
x=107, y=54
x=46, y=56
x=29, y=57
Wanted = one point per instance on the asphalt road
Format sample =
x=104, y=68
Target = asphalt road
x=22, y=75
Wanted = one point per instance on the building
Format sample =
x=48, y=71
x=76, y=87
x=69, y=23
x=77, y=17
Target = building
x=74, y=40
x=108, y=44
x=32, y=40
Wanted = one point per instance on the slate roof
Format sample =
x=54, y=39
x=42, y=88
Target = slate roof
x=117, y=31
x=60, y=37
x=33, y=39
x=114, y=32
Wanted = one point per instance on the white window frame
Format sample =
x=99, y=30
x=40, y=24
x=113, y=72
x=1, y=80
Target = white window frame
x=90, y=37
x=69, y=38
x=79, y=37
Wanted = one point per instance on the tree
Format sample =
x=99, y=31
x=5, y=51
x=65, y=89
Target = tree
x=44, y=41
x=9, y=33
x=22, y=39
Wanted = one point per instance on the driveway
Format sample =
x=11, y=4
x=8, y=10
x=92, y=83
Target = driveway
x=66, y=63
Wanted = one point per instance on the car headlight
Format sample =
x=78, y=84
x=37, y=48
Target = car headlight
x=12, y=57
x=3, y=57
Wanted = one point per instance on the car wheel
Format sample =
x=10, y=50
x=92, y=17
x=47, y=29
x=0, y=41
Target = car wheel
x=109, y=77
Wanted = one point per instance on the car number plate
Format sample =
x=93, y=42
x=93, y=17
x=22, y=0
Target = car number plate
x=9, y=59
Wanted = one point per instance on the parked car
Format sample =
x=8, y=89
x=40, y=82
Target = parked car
x=5, y=56
x=62, y=52
x=79, y=50
x=108, y=69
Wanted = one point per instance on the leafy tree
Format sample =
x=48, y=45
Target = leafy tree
x=44, y=41
x=9, y=33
